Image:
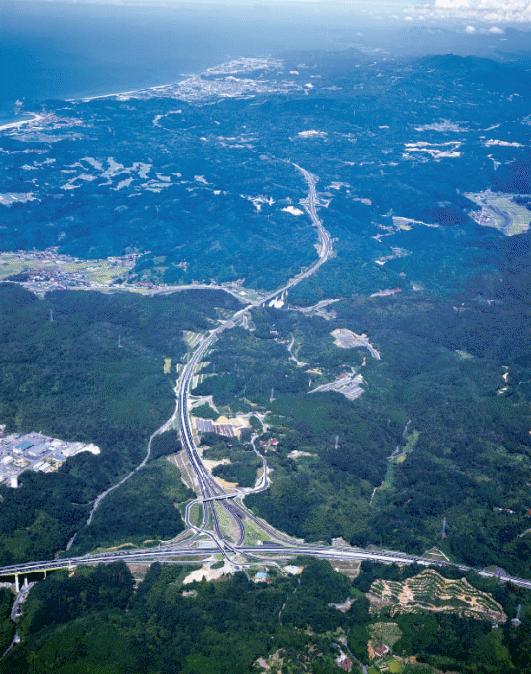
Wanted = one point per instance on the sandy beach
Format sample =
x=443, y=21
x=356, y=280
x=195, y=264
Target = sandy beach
x=86, y=99
x=14, y=125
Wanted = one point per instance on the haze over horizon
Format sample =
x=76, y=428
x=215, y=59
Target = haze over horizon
x=265, y=295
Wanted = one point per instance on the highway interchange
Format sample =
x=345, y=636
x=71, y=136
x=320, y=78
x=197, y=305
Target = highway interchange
x=212, y=536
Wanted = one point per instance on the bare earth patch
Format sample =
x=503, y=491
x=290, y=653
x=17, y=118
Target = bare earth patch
x=429, y=591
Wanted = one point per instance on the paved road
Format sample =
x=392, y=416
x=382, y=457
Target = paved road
x=210, y=490
x=20, y=599
x=101, y=496
x=267, y=552
x=281, y=547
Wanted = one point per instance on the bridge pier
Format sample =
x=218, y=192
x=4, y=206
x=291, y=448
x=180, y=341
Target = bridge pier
x=17, y=585
x=25, y=581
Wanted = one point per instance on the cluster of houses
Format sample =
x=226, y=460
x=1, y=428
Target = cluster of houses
x=272, y=443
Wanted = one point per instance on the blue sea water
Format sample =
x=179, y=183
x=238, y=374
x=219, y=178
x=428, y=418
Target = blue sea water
x=57, y=50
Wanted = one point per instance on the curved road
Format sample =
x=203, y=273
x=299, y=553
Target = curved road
x=209, y=488
x=281, y=547
x=267, y=552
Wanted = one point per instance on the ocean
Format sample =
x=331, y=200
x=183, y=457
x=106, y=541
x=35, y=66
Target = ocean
x=59, y=50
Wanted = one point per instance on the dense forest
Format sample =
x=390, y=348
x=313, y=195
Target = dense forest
x=449, y=395
x=69, y=379
x=7, y=626
x=440, y=433
x=93, y=620
x=211, y=204
x=243, y=461
x=142, y=511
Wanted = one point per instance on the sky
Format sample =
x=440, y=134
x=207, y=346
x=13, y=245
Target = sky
x=484, y=11
x=487, y=11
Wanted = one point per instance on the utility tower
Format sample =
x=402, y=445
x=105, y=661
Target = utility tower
x=272, y=396
x=337, y=441
x=51, y=315
x=443, y=530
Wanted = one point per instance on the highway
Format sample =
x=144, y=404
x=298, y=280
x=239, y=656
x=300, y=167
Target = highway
x=210, y=490
x=208, y=487
x=210, y=537
x=268, y=552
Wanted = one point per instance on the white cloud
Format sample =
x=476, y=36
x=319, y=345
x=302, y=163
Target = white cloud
x=490, y=11
x=496, y=30
x=470, y=30
x=451, y=4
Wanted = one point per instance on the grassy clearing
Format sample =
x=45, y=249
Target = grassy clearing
x=253, y=534
x=181, y=461
x=226, y=523
x=196, y=514
x=351, y=569
x=386, y=665
x=191, y=337
x=385, y=633
x=437, y=555
x=411, y=441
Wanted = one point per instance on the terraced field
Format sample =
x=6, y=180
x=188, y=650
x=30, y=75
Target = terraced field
x=429, y=591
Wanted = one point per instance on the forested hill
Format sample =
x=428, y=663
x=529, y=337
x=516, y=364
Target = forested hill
x=69, y=378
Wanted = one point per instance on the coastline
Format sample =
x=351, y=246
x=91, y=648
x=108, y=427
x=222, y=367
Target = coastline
x=86, y=99
x=125, y=95
x=35, y=117
x=14, y=125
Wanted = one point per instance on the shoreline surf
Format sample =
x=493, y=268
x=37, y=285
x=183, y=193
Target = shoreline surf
x=130, y=93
